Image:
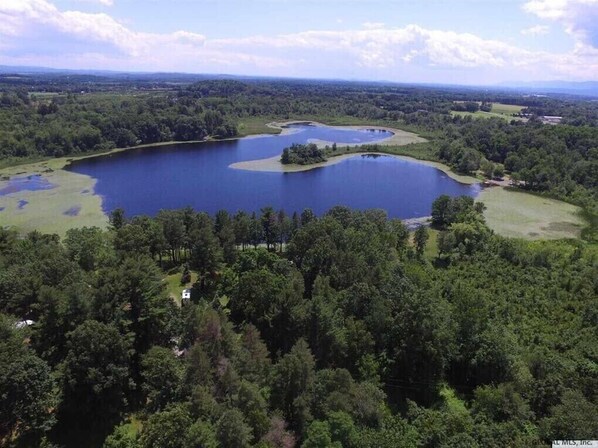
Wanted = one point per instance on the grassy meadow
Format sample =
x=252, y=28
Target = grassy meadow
x=505, y=109
x=255, y=126
x=70, y=204
x=522, y=215
x=499, y=110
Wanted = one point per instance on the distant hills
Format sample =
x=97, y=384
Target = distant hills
x=587, y=88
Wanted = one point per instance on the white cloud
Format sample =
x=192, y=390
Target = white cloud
x=372, y=25
x=537, y=30
x=547, y=9
x=36, y=32
x=34, y=17
x=382, y=47
x=579, y=17
x=101, y=2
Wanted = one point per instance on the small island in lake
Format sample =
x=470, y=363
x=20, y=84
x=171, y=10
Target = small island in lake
x=298, y=154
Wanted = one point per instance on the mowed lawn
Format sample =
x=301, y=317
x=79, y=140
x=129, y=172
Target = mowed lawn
x=173, y=284
x=431, y=250
x=505, y=109
x=499, y=110
x=522, y=215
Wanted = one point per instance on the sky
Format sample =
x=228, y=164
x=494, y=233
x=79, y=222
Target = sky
x=476, y=42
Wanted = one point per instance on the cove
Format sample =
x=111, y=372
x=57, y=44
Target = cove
x=146, y=180
x=26, y=183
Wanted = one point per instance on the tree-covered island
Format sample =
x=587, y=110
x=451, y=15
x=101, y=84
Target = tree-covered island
x=303, y=154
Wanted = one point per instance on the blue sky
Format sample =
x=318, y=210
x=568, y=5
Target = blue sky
x=459, y=41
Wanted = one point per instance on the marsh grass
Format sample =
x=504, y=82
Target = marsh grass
x=522, y=215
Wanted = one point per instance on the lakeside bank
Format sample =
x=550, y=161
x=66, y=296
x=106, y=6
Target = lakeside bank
x=398, y=138
x=273, y=164
x=72, y=201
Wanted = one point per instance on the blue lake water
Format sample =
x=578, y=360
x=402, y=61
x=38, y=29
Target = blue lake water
x=143, y=181
x=26, y=183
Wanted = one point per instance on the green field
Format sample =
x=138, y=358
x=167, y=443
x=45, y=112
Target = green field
x=431, y=250
x=420, y=151
x=43, y=95
x=499, y=110
x=506, y=109
x=482, y=114
x=522, y=215
x=255, y=125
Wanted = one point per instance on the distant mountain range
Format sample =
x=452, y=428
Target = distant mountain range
x=587, y=88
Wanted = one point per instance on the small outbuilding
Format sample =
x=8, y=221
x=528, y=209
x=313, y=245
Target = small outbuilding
x=186, y=295
x=24, y=324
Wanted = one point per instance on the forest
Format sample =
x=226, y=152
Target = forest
x=335, y=331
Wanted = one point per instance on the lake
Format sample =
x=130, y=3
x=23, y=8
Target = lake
x=143, y=181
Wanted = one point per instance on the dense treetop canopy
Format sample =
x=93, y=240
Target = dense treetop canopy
x=344, y=333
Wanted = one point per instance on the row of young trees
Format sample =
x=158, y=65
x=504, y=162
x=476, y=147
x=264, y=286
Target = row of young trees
x=349, y=337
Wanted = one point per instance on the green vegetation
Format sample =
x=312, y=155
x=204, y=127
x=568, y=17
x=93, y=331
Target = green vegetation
x=519, y=215
x=506, y=109
x=303, y=154
x=348, y=332
x=488, y=110
x=256, y=125
x=420, y=151
x=175, y=284
x=71, y=203
x=484, y=114
x=75, y=124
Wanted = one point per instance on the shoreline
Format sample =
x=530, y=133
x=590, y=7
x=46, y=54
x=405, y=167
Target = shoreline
x=273, y=165
x=58, y=163
x=50, y=211
x=399, y=138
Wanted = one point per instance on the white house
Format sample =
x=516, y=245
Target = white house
x=186, y=295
